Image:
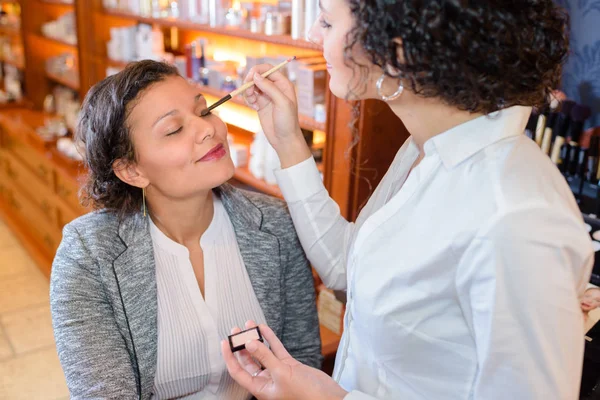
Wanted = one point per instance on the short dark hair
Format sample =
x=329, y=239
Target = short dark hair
x=479, y=56
x=105, y=134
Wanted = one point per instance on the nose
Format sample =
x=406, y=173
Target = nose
x=314, y=33
x=203, y=130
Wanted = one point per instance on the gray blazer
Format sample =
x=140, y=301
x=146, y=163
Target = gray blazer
x=104, y=304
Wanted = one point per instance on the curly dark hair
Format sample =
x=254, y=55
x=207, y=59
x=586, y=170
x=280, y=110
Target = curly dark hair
x=103, y=130
x=479, y=56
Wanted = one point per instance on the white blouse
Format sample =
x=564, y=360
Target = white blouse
x=462, y=277
x=190, y=327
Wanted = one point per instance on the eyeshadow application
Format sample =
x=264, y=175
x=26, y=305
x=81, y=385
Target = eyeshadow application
x=238, y=341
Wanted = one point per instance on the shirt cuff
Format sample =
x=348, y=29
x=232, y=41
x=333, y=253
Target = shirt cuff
x=355, y=395
x=300, y=181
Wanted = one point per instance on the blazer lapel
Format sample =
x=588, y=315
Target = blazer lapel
x=134, y=272
x=264, y=267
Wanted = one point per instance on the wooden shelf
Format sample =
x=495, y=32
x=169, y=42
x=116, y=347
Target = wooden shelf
x=245, y=176
x=285, y=40
x=118, y=64
x=305, y=122
x=72, y=46
x=19, y=65
x=59, y=2
x=9, y=30
x=63, y=81
x=329, y=341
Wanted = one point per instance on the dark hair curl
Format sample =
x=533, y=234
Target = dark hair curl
x=479, y=56
x=102, y=129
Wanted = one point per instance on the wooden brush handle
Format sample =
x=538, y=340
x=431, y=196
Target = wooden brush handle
x=264, y=75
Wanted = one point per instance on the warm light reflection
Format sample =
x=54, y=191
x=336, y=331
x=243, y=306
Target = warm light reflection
x=221, y=55
x=237, y=115
x=318, y=137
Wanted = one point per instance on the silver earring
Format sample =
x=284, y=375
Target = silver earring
x=394, y=95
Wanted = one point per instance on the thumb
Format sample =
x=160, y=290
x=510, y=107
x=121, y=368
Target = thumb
x=270, y=89
x=263, y=355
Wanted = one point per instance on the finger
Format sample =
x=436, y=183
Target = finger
x=235, y=330
x=274, y=343
x=264, y=356
x=237, y=372
x=277, y=77
x=257, y=69
x=248, y=363
x=270, y=89
x=250, y=324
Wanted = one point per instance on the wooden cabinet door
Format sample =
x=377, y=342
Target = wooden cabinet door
x=35, y=189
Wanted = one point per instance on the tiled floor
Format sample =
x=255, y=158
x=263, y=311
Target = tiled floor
x=29, y=367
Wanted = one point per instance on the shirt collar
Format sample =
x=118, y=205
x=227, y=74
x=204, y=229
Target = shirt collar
x=461, y=142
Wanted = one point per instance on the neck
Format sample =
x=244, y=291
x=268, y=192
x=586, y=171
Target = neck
x=183, y=221
x=425, y=118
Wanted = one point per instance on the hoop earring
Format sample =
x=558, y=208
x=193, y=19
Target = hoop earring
x=394, y=95
x=144, y=200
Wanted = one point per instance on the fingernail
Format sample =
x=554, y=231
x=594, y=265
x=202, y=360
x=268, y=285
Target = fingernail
x=251, y=346
x=257, y=76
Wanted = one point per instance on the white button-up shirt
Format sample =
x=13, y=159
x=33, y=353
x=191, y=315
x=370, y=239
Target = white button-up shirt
x=190, y=327
x=462, y=277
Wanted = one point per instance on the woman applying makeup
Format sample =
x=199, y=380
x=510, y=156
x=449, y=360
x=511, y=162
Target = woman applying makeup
x=144, y=289
x=448, y=267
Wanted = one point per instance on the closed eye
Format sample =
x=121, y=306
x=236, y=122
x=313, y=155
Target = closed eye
x=324, y=23
x=174, y=132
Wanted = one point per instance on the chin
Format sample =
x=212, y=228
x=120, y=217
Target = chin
x=226, y=171
x=342, y=90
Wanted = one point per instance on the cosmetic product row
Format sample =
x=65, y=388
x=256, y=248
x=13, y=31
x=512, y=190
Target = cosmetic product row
x=559, y=131
x=61, y=111
x=218, y=69
x=64, y=66
x=284, y=18
x=11, y=50
x=63, y=28
x=138, y=42
x=13, y=84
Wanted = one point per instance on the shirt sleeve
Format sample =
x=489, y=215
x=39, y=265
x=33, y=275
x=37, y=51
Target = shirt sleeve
x=518, y=283
x=323, y=232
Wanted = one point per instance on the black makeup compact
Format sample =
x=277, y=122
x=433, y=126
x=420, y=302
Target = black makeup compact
x=238, y=341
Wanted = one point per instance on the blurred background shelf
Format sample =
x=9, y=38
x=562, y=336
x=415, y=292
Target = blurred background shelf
x=233, y=32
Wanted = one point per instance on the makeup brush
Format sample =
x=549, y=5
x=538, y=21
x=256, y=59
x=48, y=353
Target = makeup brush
x=244, y=87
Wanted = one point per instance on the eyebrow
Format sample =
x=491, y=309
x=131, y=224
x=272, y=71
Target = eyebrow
x=321, y=6
x=173, y=112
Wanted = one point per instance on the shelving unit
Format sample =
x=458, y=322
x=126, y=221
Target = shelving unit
x=14, y=63
x=284, y=40
x=63, y=81
x=9, y=31
x=70, y=46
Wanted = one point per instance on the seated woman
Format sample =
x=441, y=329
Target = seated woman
x=144, y=289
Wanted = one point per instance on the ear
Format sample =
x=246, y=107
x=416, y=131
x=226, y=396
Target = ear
x=128, y=172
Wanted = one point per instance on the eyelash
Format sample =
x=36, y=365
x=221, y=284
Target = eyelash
x=174, y=132
x=324, y=24
x=181, y=128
